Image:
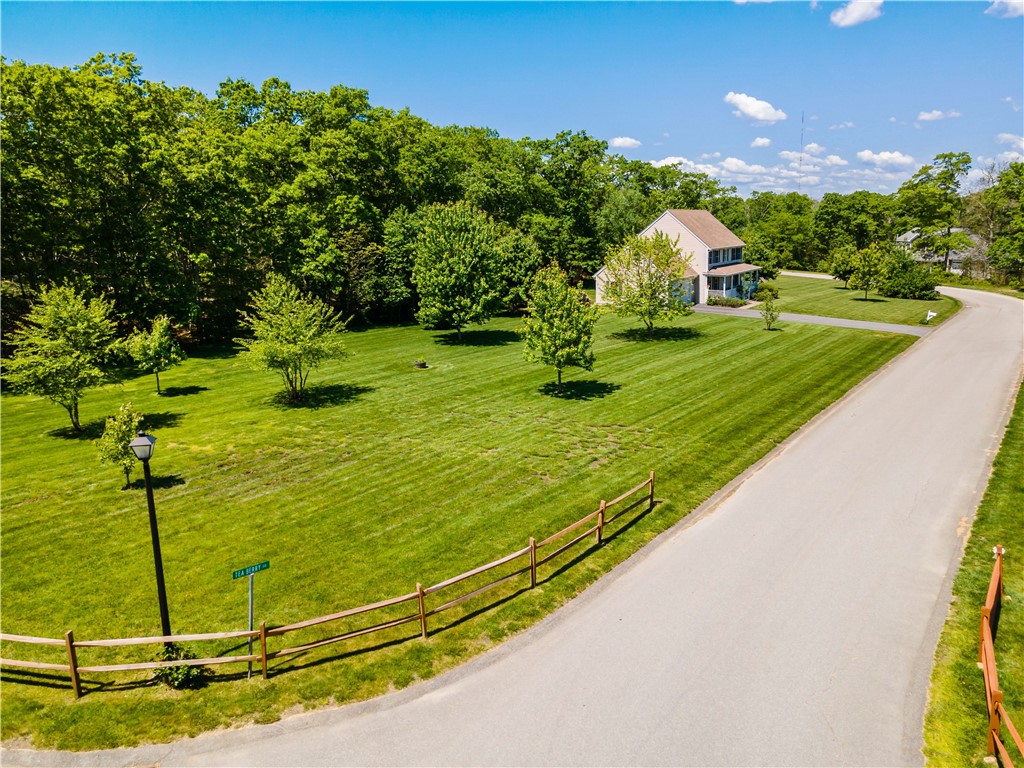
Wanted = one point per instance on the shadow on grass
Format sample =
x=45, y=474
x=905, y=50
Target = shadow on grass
x=322, y=396
x=585, y=389
x=873, y=300
x=193, y=389
x=159, y=482
x=214, y=351
x=161, y=420
x=658, y=334
x=481, y=338
x=91, y=430
x=290, y=664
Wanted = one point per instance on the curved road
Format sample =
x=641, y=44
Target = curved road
x=792, y=621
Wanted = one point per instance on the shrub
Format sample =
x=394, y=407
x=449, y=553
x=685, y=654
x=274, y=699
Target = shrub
x=181, y=676
x=725, y=301
x=904, y=278
x=765, y=291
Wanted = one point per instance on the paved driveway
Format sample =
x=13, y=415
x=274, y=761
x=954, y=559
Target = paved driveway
x=792, y=621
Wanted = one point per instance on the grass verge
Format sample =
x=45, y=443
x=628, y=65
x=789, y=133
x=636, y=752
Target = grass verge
x=386, y=476
x=828, y=298
x=957, y=718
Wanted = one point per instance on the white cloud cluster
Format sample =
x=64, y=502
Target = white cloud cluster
x=761, y=142
x=1016, y=142
x=1006, y=9
x=841, y=126
x=754, y=109
x=856, y=12
x=885, y=158
x=624, y=142
x=937, y=114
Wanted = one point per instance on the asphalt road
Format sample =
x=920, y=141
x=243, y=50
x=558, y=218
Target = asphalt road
x=792, y=621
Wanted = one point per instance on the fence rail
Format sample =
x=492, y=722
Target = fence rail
x=423, y=611
x=997, y=714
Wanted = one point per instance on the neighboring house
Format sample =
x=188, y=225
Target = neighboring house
x=716, y=256
x=919, y=251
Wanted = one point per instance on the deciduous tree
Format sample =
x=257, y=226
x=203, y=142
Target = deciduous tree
x=644, y=279
x=155, y=350
x=868, y=264
x=114, y=445
x=292, y=334
x=457, y=267
x=559, y=328
x=61, y=348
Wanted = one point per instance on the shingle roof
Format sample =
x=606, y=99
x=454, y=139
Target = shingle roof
x=732, y=269
x=712, y=232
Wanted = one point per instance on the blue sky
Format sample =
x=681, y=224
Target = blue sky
x=869, y=90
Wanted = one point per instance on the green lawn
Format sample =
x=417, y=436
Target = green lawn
x=389, y=476
x=957, y=718
x=813, y=296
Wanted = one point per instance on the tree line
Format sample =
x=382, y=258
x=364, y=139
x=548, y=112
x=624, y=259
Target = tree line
x=168, y=202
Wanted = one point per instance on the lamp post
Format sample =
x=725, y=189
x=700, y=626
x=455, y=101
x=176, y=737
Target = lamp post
x=142, y=446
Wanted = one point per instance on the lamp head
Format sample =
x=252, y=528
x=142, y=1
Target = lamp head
x=143, y=446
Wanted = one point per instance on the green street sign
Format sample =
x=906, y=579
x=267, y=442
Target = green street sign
x=250, y=570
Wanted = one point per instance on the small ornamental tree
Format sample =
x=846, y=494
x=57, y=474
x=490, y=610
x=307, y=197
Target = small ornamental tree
x=840, y=263
x=457, y=268
x=559, y=329
x=769, y=313
x=644, y=279
x=868, y=268
x=155, y=350
x=61, y=347
x=292, y=334
x=114, y=445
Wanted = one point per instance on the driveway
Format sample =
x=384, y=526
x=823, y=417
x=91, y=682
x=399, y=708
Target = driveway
x=790, y=621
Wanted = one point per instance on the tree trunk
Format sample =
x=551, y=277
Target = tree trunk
x=73, y=413
x=158, y=382
x=127, y=479
x=559, y=370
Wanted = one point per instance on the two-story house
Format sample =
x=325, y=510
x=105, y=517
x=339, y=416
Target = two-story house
x=715, y=254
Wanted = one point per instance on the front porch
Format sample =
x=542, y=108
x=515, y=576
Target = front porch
x=735, y=281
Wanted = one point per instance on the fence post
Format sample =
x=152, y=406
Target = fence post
x=533, y=562
x=999, y=564
x=69, y=641
x=600, y=521
x=263, y=647
x=650, y=504
x=993, y=721
x=423, y=610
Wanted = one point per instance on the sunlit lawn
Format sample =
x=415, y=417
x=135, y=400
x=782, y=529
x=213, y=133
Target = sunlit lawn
x=957, y=717
x=389, y=476
x=813, y=296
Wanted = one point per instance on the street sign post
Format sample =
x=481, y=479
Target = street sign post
x=251, y=572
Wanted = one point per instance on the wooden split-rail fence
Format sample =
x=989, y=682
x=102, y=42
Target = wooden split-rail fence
x=534, y=555
x=998, y=717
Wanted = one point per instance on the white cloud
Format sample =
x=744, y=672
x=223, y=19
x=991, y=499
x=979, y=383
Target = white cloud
x=882, y=159
x=856, y=12
x=1006, y=9
x=625, y=142
x=735, y=165
x=937, y=114
x=841, y=126
x=755, y=109
x=761, y=142
x=814, y=149
x=1012, y=103
x=710, y=156
x=1015, y=141
x=834, y=161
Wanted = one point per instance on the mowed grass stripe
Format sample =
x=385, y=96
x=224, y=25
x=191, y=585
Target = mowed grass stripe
x=392, y=476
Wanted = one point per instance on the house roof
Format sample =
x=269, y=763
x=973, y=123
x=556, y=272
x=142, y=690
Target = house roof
x=708, y=229
x=732, y=269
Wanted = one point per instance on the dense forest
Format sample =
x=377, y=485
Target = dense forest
x=168, y=202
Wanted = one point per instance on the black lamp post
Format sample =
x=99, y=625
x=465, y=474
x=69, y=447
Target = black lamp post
x=143, y=448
